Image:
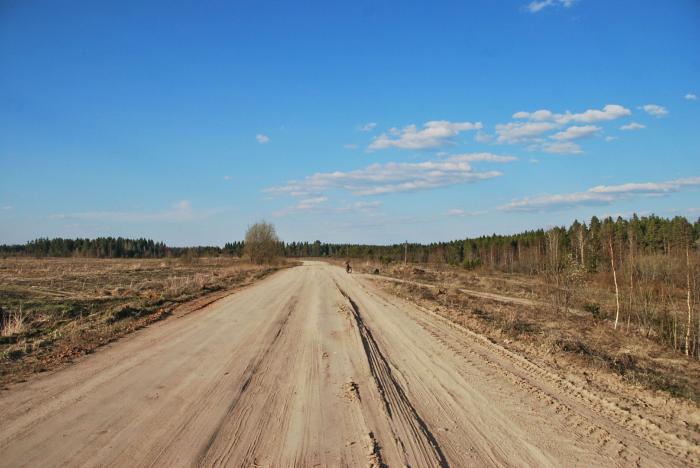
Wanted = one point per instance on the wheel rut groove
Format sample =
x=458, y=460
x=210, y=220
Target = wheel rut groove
x=248, y=376
x=396, y=403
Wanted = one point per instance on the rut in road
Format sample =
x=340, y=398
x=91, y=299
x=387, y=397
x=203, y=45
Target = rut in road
x=248, y=376
x=397, y=405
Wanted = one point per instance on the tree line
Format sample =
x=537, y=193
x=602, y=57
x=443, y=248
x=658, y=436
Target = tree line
x=529, y=251
x=526, y=252
x=103, y=247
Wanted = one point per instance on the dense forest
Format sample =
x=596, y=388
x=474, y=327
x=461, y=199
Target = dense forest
x=530, y=251
x=103, y=247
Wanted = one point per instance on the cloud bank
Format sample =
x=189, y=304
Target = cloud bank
x=395, y=177
x=599, y=195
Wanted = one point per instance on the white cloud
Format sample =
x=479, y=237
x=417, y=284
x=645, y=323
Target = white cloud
x=394, y=177
x=633, y=126
x=483, y=137
x=609, y=112
x=368, y=127
x=647, y=187
x=434, y=134
x=532, y=128
x=538, y=5
x=6, y=207
x=545, y=202
x=539, y=115
x=483, y=157
x=320, y=205
x=228, y=177
x=313, y=201
x=308, y=203
x=360, y=206
x=350, y=146
x=599, y=195
x=262, y=139
x=576, y=132
x=611, y=138
x=181, y=211
x=519, y=132
x=562, y=147
x=458, y=212
x=655, y=110
x=303, y=206
x=691, y=97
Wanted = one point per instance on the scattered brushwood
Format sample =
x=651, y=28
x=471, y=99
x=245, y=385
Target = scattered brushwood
x=55, y=309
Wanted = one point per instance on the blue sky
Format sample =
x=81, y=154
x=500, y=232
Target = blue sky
x=364, y=122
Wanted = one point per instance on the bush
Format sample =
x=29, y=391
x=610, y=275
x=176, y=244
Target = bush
x=261, y=243
x=121, y=313
x=594, y=309
x=471, y=264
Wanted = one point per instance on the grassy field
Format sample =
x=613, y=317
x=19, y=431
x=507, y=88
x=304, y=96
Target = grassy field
x=53, y=310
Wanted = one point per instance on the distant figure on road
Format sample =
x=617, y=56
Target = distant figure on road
x=348, y=268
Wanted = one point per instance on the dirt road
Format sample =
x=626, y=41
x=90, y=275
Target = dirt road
x=314, y=367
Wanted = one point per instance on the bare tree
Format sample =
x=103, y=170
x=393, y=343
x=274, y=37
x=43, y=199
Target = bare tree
x=573, y=277
x=617, y=290
x=554, y=262
x=690, y=304
x=261, y=243
x=581, y=235
x=632, y=239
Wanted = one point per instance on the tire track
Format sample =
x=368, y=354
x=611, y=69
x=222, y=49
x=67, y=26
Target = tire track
x=247, y=377
x=398, y=407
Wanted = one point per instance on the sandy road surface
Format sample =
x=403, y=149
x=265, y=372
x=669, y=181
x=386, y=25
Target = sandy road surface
x=313, y=367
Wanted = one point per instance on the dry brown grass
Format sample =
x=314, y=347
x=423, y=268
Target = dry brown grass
x=13, y=323
x=55, y=309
